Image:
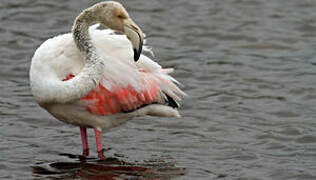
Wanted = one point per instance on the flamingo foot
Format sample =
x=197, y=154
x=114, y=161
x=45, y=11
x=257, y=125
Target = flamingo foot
x=101, y=155
x=85, y=152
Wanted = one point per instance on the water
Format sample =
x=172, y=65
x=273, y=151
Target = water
x=248, y=66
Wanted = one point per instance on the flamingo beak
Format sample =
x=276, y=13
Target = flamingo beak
x=135, y=35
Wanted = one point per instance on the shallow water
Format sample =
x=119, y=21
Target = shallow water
x=248, y=66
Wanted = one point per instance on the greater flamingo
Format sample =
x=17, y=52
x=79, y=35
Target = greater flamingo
x=92, y=79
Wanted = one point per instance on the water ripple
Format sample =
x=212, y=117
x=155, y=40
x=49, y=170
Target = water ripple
x=247, y=66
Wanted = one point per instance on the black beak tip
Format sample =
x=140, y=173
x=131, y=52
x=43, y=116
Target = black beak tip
x=136, y=55
x=139, y=52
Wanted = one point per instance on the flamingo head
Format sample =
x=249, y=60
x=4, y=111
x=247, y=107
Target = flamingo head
x=113, y=15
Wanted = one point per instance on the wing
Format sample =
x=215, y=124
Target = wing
x=126, y=85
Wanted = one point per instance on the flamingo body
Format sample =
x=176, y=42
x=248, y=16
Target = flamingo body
x=126, y=89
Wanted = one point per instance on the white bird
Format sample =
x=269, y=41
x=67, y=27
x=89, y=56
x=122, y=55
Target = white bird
x=92, y=79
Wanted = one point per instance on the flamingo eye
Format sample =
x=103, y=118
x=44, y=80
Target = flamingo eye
x=120, y=16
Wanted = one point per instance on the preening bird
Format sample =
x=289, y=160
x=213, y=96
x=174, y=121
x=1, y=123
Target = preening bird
x=96, y=79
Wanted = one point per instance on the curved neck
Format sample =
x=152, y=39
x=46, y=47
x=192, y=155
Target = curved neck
x=57, y=91
x=80, y=33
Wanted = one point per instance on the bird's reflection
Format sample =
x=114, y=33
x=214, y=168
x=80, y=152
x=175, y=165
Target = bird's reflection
x=111, y=168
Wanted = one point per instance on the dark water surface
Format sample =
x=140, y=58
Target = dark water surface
x=248, y=66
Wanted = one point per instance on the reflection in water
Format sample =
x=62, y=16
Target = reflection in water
x=111, y=168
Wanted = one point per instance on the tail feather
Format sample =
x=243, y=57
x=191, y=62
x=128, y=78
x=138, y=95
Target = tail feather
x=171, y=102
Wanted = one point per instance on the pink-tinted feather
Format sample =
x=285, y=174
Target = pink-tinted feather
x=102, y=101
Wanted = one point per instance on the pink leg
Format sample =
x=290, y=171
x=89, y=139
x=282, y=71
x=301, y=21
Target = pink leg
x=84, y=139
x=99, y=144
